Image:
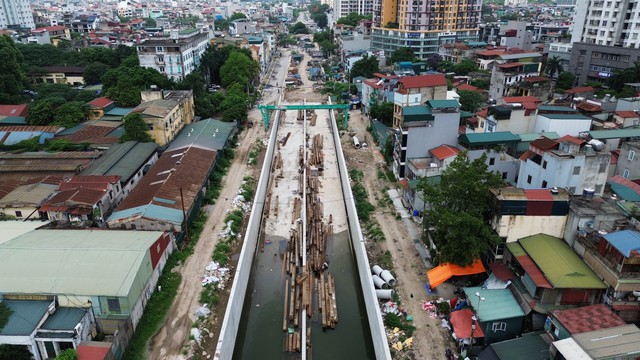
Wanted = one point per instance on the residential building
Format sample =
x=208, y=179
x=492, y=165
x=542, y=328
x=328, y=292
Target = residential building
x=499, y=148
x=621, y=342
x=72, y=75
x=130, y=161
x=33, y=167
x=342, y=8
x=24, y=201
x=530, y=346
x=456, y=52
x=598, y=62
x=526, y=139
x=378, y=90
x=561, y=50
x=499, y=314
x=629, y=161
x=11, y=135
x=129, y=264
x=98, y=107
x=614, y=257
x=510, y=69
x=515, y=35
x=175, y=56
x=587, y=215
x=549, y=32
x=516, y=115
x=241, y=27
x=568, y=123
x=424, y=26
x=16, y=14
x=52, y=34
x=565, y=163
x=626, y=118
x=518, y=213
x=562, y=324
x=166, y=193
x=548, y=274
x=416, y=90
x=166, y=112
x=607, y=23
x=84, y=24
x=423, y=127
x=614, y=138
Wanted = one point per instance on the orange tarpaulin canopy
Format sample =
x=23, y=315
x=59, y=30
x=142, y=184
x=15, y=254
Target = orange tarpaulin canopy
x=442, y=273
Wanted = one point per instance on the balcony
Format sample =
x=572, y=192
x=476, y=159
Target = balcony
x=609, y=271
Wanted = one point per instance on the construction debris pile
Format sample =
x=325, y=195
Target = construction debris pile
x=293, y=78
x=215, y=274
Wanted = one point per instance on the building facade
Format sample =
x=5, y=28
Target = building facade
x=166, y=113
x=628, y=165
x=342, y=8
x=594, y=62
x=16, y=14
x=510, y=69
x=424, y=26
x=176, y=56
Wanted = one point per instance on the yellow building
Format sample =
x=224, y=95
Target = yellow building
x=166, y=112
x=72, y=75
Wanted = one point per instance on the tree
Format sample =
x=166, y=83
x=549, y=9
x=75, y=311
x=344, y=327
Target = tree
x=464, y=67
x=470, y=101
x=234, y=105
x=320, y=20
x=14, y=352
x=433, y=61
x=298, y=28
x=383, y=112
x=221, y=24
x=135, y=129
x=150, y=23
x=365, y=67
x=565, y=80
x=327, y=47
x=237, y=16
x=553, y=66
x=401, y=54
x=94, y=72
x=352, y=19
x=481, y=83
x=70, y=114
x=321, y=36
x=458, y=210
x=12, y=78
x=69, y=354
x=240, y=69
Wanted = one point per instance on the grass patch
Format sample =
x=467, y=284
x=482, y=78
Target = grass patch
x=394, y=321
x=385, y=260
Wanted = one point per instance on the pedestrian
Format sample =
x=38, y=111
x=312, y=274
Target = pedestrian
x=411, y=295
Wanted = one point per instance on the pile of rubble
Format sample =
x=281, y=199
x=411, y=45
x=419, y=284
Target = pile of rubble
x=398, y=339
x=216, y=274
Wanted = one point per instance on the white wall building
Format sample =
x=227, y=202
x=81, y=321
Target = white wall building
x=342, y=8
x=16, y=13
x=175, y=56
x=563, y=124
x=606, y=22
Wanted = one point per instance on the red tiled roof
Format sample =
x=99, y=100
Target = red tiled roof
x=419, y=81
x=534, y=272
x=490, y=52
x=90, y=352
x=501, y=271
x=92, y=134
x=588, y=318
x=510, y=65
x=538, y=195
x=528, y=105
x=32, y=128
x=569, y=138
x=13, y=110
x=373, y=83
x=466, y=87
x=588, y=107
x=544, y=143
x=100, y=102
x=535, y=79
x=627, y=114
x=527, y=155
x=48, y=28
x=483, y=112
x=520, y=99
x=444, y=151
x=95, y=182
x=579, y=90
x=615, y=154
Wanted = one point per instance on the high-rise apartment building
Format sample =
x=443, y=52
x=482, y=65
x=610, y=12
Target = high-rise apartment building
x=608, y=22
x=16, y=14
x=424, y=25
x=342, y=8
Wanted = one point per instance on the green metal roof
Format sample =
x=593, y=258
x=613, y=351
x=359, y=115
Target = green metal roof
x=13, y=120
x=65, y=318
x=614, y=134
x=488, y=138
x=25, y=316
x=516, y=249
x=443, y=104
x=416, y=110
x=533, y=136
x=207, y=134
x=531, y=346
x=565, y=116
x=556, y=108
x=560, y=265
x=466, y=114
x=498, y=304
x=75, y=262
x=624, y=191
x=122, y=159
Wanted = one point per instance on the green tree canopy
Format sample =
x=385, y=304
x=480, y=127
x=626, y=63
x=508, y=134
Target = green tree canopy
x=298, y=28
x=553, y=66
x=69, y=354
x=240, y=69
x=565, y=80
x=237, y=16
x=94, y=72
x=365, y=67
x=135, y=129
x=352, y=19
x=320, y=20
x=383, y=112
x=401, y=54
x=470, y=101
x=123, y=84
x=464, y=67
x=150, y=23
x=234, y=105
x=12, y=78
x=458, y=210
x=14, y=352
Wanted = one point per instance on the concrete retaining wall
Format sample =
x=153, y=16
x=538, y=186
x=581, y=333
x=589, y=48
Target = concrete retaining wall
x=378, y=336
x=231, y=321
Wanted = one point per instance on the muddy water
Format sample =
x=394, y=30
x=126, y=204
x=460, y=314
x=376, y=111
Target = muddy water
x=260, y=335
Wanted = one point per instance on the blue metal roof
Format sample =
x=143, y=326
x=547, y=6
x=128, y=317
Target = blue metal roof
x=624, y=241
x=65, y=318
x=150, y=211
x=15, y=137
x=500, y=304
x=119, y=111
x=13, y=120
x=25, y=316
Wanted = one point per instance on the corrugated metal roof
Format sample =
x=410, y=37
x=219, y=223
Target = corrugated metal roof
x=559, y=263
x=443, y=104
x=207, y=134
x=587, y=318
x=565, y=116
x=13, y=120
x=533, y=136
x=531, y=346
x=556, y=108
x=499, y=137
x=65, y=318
x=119, y=111
x=150, y=211
x=65, y=261
x=498, y=304
x=28, y=195
x=615, y=134
x=25, y=316
x=416, y=110
x=520, y=56
x=529, y=266
x=627, y=242
x=620, y=341
x=123, y=160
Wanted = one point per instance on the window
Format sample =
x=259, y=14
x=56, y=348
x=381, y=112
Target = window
x=18, y=214
x=492, y=161
x=529, y=179
x=576, y=170
x=544, y=164
x=544, y=184
x=114, y=305
x=598, y=189
x=632, y=155
x=625, y=174
x=603, y=168
x=504, y=175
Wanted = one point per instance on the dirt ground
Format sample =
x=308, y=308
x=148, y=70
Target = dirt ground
x=168, y=343
x=430, y=339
